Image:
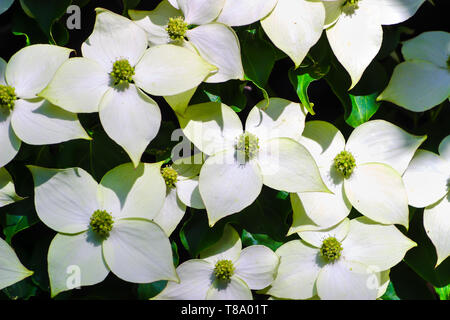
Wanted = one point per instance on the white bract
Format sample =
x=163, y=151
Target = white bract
x=181, y=180
x=294, y=26
x=364, y=173
x=354, y=29
x=191, y=24
x=348, y=261
x=23, y=115
x=427, y=182
x=8, y=193
x=224, y=272
x=11, y=269
x=103, y=227
x=423, y=80
x=240, y=162
x=108, y=79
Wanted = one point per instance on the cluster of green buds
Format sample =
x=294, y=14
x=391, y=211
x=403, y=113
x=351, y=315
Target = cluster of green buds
x=122, y=72
x=247, y=145
x=350, y=6
x=7, y=98
x=345, y=163
x=223, y=270
x=170, y=176
x=331, y=249
x=102, y=223
x=177, y=28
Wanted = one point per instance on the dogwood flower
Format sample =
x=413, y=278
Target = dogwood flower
x=294, y=26
x=8, y=193
x=24, y=116
x=190, y=23
x=103, y=227
x=427, y=182
x=181, y=180
x=11, y=269
x=109, y=77
x=423, y=80
x=354, y=29
x=364, y=173
x=224, y=272
x=347, y=261
x=240, y=162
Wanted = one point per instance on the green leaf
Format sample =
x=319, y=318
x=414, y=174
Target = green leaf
x=360, y=103
x=149, y=290
x=46, y=13
x=444, y=293
x=422, y=259
x=18, y=217
x=390, y=293
x=24, y=290
x=249, y=239
x=231, y=93
x=196, y=235
x=129, y=4
x=315, y=67
x=408, y=285
x=22, y=25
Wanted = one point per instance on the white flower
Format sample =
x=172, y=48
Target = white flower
x=348, y=261
x=24, y=116
x=241, y=162
x=11, y=270
x=427, y=182
x=181, y=180
x=7, y=191
x=354, y=29
x=364, y=173
x=115, y=65
x=190, y=23
x=104, y=227
x=294, y=26
x=423, y=80
x=224, y=272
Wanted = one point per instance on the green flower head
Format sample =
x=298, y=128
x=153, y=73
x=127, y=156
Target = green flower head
x=177, y=28
x=170, y=176
x=7, y=97
x=247, y=145
x=345, y=163
x=122, y=72
x=224, y=269
x=102, y=223
x=331, y=249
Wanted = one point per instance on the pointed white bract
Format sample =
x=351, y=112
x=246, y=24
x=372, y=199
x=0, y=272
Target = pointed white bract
x=11, y=269
x=8, y=193
x=224, y=271
x=240, y=162
x=427, y=182
x=378, y=153
x=215, y=41
x=422, y=81
x=354, y=29
x=348, y=261
x=116, y=65
x=103, y=227
x=23, y=115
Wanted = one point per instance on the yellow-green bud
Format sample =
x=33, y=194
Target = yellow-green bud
x=350, y=6
x=247, y=145
x=7, y=98
x=170, y=176
x=345, y=163
x=177, y=28
x=331, y=249
x=224, y=269
x=102, y=223
x=122, y=72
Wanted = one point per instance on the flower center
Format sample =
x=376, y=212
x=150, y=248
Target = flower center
x=170, y=176
x=345, y=163
x=331, y=249
x=350, y=6
x=122, y=72
x=7, y=97
x=224, y=269
x=248, y=145
x=177, y=28
x=102, y=223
